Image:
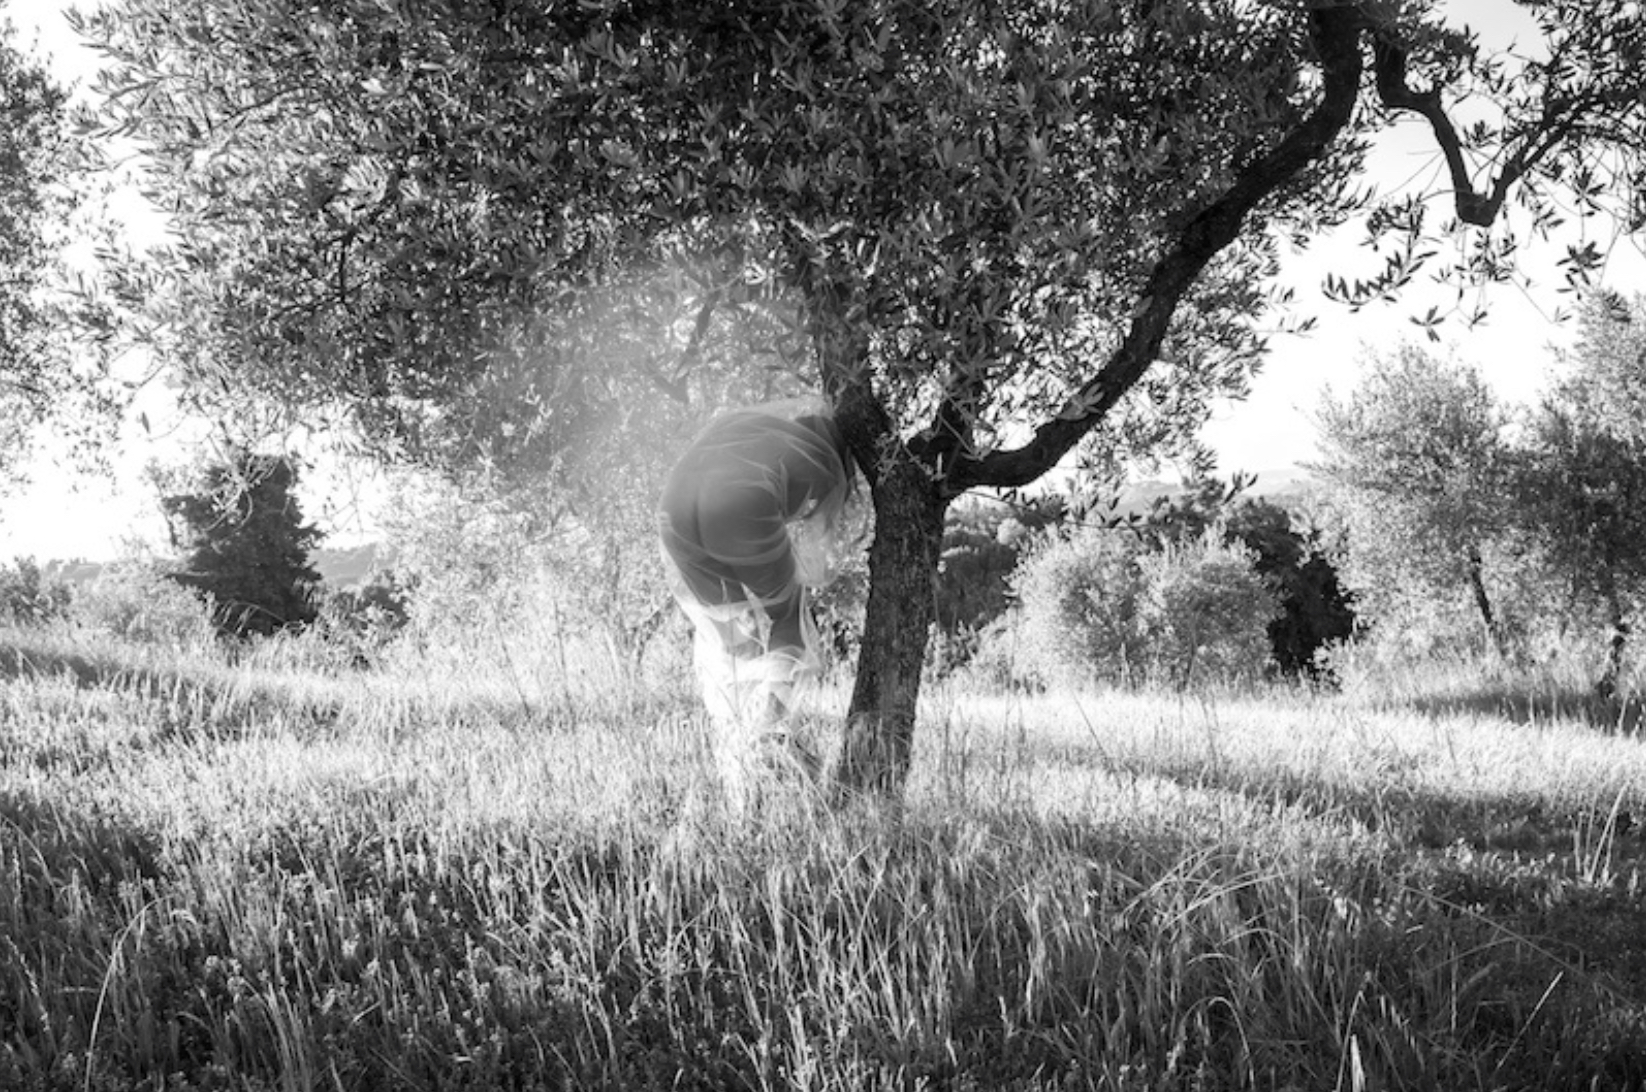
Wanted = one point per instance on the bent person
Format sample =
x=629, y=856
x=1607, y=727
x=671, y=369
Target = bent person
x=752, y=515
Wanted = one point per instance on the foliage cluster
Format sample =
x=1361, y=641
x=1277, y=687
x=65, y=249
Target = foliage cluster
x=990, y=545
x=984, y=540
x=140, y=603
x=1450, y=501
x=129, y=601
x=471, y=557
x=39, y=161
x=368, y=614
x=567, y=172
x=1291, y=554
x=28, y=595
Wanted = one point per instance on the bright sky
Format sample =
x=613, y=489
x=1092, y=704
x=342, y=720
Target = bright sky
x=62, y=515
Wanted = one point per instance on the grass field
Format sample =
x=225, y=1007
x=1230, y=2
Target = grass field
x=485, y=870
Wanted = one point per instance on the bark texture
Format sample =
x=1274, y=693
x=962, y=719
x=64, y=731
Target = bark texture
x=879, y=740
x=1618, y=616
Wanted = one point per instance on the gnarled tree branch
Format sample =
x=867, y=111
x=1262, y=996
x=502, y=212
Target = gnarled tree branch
x=1561, y=114
x=1389, y=68
x=1336, y=31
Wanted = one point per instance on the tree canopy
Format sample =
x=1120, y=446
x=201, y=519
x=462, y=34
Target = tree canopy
x=1443, y=488
x=1418, y=461
x=989, y=232
x=425, y=209
x=36, y=154
x=1580, y=489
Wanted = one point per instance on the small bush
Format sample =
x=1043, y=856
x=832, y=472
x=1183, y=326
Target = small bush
x=380, y=606
x=28, y=596
x=1081, y=597
x=1001, y=658
x=140, y=603
x=1206, y=611
x=1103, y=607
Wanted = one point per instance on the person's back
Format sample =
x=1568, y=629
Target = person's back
x=725, y=521
x=727, y=502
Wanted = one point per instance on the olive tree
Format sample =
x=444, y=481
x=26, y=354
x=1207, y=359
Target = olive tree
x=1418, y=463
x=1581, y=481
x=989, y=232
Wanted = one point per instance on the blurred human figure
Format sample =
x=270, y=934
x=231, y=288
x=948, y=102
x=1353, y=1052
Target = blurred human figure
x=754, y=513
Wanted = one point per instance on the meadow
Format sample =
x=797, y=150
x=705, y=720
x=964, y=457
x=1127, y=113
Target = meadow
x=504, y=867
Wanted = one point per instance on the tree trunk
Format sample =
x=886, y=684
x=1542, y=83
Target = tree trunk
x=878, y=745
x=1607, y=686
x=1483, y=603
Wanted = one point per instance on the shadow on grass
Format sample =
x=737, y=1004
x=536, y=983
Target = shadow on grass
x=18, y=662
x=1619, y=715
x=1562, y=876
x=186, y=699
x=1390, y=794
x=100, y=849
x=1426, y=817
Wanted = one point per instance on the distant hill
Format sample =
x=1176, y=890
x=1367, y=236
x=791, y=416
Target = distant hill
x=340, y=568
x=350, y=567
x=1283, y=486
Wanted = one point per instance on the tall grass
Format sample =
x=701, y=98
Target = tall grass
x=502, y=865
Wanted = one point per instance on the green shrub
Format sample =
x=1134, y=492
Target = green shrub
x=1100, y=606
x=1002, y=659
x=28, y=596
x=1081, y=597
x=1206, y=610
x=361, y=619
x=983, y=542
x=138, y=602
x=1316, y=610
x=381, y=605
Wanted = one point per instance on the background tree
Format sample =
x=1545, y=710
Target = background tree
x=985, y=227
x=1315, y=610
x=37, y=161
x=1608, y=361
x=1581, y=486
x=1418, y=464
x=245, y=543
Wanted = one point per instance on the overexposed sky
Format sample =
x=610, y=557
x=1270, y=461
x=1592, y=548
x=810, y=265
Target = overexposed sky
x=63, y=515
